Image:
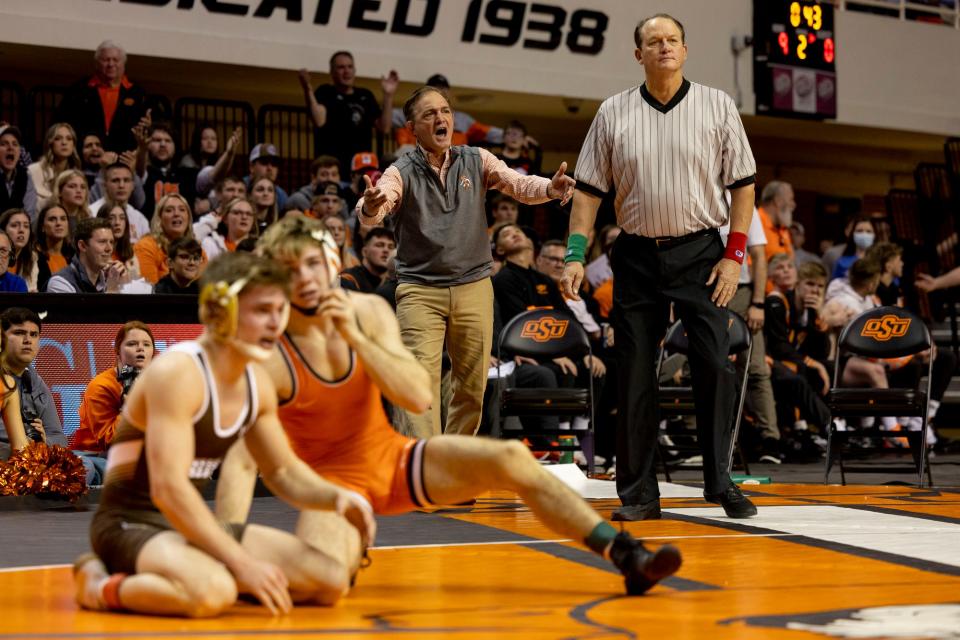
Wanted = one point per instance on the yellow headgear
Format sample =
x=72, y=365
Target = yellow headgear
x=220, y=312
x=220, y=306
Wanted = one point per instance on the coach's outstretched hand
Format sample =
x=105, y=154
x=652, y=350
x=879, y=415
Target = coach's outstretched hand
x=358, y=513
x=561, y=185
x=727, y=274
x=571, y=280
x=373, y=197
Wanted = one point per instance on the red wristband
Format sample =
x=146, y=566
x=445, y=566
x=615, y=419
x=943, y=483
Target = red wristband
x=736, y=247
x=111, y=591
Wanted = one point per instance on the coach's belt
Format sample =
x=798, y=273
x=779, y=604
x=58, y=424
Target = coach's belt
x=668, y=242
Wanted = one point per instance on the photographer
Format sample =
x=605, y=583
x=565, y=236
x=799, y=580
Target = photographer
x=104, y=396
x=20, y=344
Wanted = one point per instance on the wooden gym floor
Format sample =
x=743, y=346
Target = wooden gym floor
x=819, y=561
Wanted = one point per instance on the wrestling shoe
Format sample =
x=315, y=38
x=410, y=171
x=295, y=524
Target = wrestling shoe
x=88, y=574
x=642, y=568
x=734, y=503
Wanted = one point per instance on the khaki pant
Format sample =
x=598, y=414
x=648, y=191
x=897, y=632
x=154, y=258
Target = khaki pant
x=463, y=316
x=759, y=389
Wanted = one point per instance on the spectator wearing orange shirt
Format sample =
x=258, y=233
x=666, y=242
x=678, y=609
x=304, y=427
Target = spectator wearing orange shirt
x=171, y=221
x=776, y=214
x=107, y=103
x=104, y=396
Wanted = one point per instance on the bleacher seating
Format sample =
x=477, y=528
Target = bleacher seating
x=291, y=130
x=224, y=116
x=11, y=102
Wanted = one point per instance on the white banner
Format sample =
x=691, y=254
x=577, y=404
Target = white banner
x=578, y=48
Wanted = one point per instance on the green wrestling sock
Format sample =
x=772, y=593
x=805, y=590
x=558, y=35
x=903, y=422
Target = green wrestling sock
x=601, y=538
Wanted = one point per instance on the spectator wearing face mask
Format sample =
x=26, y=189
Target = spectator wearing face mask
x=776, y=214
x=860, y=238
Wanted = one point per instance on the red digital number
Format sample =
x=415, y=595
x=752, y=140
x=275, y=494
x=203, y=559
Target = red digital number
x=784, y=42
x=828, y=50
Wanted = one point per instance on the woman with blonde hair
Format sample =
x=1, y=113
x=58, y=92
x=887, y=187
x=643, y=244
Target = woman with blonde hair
x=171, y=220
x=71, y=191
x=59, y=155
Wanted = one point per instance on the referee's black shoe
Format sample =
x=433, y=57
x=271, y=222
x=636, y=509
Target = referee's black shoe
x=633, y=512
x=642, y=568
x=733, y=502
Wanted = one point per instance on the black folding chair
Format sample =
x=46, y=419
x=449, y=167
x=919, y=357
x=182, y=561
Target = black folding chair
x=544, y=334
x=678, y=401
x=881, y=333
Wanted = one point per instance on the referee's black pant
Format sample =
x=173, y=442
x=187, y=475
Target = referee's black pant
x=646, y=278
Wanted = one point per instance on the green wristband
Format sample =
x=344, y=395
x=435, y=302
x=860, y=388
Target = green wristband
x=576, y=248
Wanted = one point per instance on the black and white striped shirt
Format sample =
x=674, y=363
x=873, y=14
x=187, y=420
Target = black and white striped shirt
x=669, y=164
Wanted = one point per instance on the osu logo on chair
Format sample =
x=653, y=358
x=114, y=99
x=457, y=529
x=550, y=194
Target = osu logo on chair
x=544, y=329
x=886, y=328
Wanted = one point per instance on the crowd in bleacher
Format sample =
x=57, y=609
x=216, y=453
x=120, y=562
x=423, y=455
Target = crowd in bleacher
x=111, y=205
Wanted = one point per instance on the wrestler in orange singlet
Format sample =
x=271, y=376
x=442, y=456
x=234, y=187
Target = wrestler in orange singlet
x=339, y=352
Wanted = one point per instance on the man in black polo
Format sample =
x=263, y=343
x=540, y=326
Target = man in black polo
x=378, y=247
x=344, y=114
x=671, y=147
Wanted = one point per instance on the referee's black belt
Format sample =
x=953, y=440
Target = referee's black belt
x=669, y=242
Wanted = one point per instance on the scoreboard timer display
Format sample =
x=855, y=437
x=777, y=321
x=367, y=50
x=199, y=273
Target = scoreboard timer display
x=795, y=50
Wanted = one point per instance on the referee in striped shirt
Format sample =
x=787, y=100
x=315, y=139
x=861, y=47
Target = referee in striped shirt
x=669, y=148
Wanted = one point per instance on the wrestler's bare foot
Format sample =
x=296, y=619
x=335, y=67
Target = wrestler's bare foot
x=89, y=573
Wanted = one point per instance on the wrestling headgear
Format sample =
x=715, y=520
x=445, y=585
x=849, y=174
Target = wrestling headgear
x=220, y=313
x=331, y=253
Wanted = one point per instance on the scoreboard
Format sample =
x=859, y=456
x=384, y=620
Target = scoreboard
x=794, y=64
